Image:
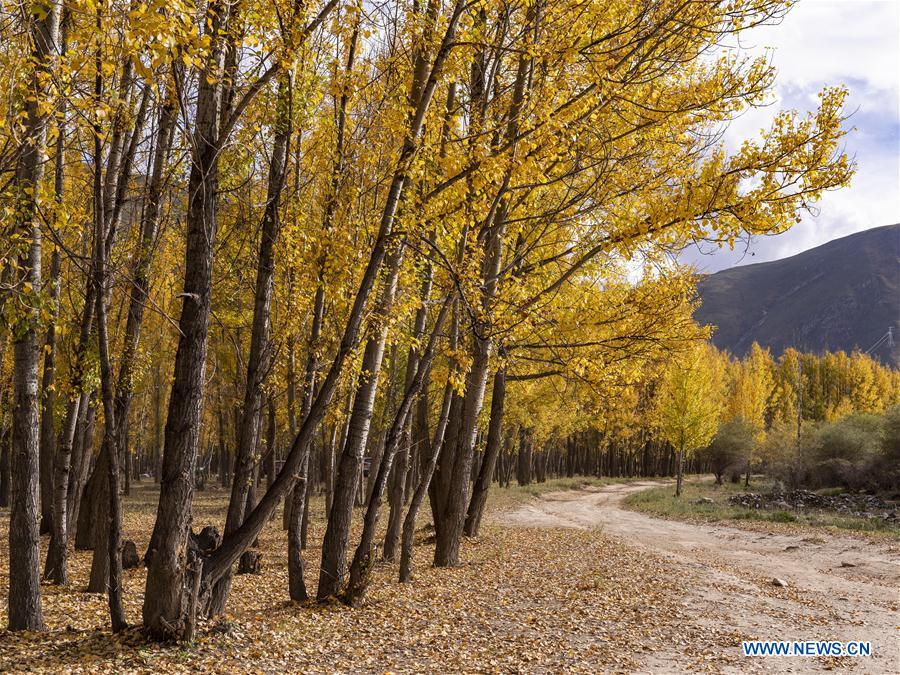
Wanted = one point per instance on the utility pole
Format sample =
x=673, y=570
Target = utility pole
x=799, y=398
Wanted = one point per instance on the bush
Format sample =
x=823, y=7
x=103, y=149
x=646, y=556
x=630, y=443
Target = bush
x=729, y=450
x=780, y=455
x=853, y=453
x=848, y=453
x=890, y=449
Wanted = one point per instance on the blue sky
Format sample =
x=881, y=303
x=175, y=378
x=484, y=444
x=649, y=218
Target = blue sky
x=819, y=43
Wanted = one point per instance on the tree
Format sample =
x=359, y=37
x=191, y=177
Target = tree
x=750, y=389
x=166, y=609
x=690, y=403
x=42, y=26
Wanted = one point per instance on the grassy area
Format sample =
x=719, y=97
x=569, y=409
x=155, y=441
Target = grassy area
x=692, y=506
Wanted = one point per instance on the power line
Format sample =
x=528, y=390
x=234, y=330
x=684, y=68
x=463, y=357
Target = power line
x=888, y=337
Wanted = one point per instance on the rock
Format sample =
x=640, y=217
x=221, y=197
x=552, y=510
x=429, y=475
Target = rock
x=791, y=548
x=779, y=582
x=844, y=563
x=859, y=505
x=130, y=558
x=250, y=562
x=705, y=500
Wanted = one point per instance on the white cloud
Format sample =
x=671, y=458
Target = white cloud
x=820, y=43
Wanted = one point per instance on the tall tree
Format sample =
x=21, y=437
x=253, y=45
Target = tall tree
x=690, y=403
x=24, y=608
x=165, y=610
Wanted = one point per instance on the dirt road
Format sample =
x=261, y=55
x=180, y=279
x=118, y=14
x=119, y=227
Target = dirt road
x=839, y=588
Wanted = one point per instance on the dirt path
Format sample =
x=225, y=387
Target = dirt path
x=728, y=576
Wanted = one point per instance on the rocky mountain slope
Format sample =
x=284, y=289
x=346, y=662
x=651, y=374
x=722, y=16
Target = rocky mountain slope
x=842, y=295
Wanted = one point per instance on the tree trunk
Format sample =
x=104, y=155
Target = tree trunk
x=48, y=388
x=141, y=268
x=334, y=547
x=363, y=558
x=83, y=450
x=297, y=512
x=292, y=416
x=396, y=498
x=312, y=361
x=271, y=441
x=523, y=470
x=223, y=449
x=4, y=460
x=232, y=546
x=246, y=463
x=296, y=579
x=376, y=451
x=432, y=452
x=398, y=484
x=453, y=512
x=24, y=603
x=164, y=612
x=56, y=564
x=678, y=480
x=108, y=201
x=158, y=425
x=24, y=612
x=492, y=449
x=330, y=452
x=113, y=524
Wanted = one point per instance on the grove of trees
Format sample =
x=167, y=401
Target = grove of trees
x=369, y=250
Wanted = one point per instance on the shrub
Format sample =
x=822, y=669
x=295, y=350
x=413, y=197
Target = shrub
x=780, y=455
x=855, y=452
x=848, y=453
x=890, y=449
x=729, y=449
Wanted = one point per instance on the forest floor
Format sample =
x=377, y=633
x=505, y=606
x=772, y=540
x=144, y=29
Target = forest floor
x=569, y=581
x=838, y=587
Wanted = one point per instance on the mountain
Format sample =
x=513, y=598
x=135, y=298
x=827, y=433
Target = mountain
x=842, y=295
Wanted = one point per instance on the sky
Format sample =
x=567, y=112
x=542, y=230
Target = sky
x=821, y=43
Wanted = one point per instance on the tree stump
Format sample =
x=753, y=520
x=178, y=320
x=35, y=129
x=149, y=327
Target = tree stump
x=130, y=558
x=250, y=562
x=208, y=540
